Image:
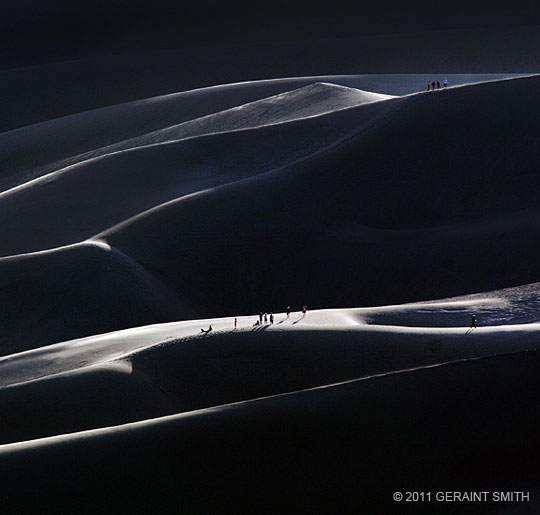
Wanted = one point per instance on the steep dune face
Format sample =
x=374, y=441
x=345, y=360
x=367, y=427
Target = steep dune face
x=79, y=290
x=91, y=398
x=405, y=210
x=77, y=202
x=344, y=447
x=87, y=387
x=64, y=140
x=71, y=139
x=353, y=212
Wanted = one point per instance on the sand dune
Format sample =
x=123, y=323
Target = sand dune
x=185, y=370
x=67, y=140
x=64, y=140
x=397, y=428
x=78, y=290
x=200, y=208
x=77, y=202
x=453, y=219
x=308, y=220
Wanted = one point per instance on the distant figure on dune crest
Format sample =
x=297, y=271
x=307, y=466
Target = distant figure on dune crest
x=304, y=311
x=428, y=84
x=432, y=84
x=207, y=330
x=438, y=84
x=260, y=317
x=235, y=322
x=288, y=311
x=271, y=318
x=473, y=322
x=445, y=82
x=256, y=322
x=265, y=318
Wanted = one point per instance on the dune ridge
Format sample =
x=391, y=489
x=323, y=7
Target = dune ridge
x=320, y=203
x=317, y=203
x=286, y=434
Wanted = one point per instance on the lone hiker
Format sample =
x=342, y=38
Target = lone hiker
x=304, y=311
x=288, y=311
x=473, y=322
x=235, y=322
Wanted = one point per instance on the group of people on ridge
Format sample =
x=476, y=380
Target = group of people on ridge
x=264, y=318
x=436, y=84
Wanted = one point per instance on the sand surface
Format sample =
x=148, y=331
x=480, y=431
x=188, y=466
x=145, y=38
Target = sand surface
x=394, y=213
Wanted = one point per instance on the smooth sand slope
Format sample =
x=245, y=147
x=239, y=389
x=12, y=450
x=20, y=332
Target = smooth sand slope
x=63, y=141
x=60, y=141
x=429, y=201
x=73, y=203
x=184, y=369
x=113, y=400
x=414, y=399
x=292, y=221
x=78, y=290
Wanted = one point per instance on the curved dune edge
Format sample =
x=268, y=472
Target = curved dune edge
x=155, y=422
x=146, y=373
x=76, y=175
x=399, y=425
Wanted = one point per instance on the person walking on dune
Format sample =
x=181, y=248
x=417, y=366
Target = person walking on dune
x=271, y=318
x=428, y=84
x=288, y=311
x=438, y=84
x=433, y=85
x=445, y=82
x=265, y=318
x=260, y=318
x=304, y=311
x=235, y=323
x=473, y=322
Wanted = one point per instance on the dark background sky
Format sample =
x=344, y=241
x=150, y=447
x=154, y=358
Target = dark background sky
x=39, y=31
x=63, y=56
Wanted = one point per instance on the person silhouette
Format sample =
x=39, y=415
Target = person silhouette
x=288, y=311
x=473, y=322
x=304, y=311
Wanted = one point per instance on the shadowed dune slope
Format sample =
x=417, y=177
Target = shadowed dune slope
x=344, y=448
x=204, y=371
x=80, y=201
x=237, y=366
x=518, y=305
x=64, y=141
x=430, y=201
x=91, y=398
x=79, y=290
